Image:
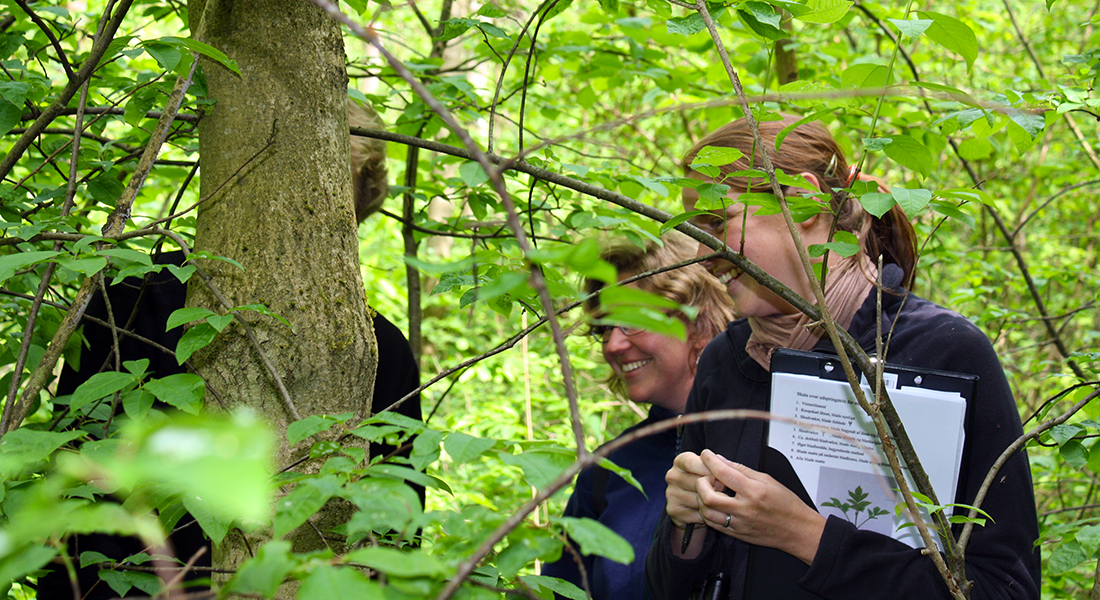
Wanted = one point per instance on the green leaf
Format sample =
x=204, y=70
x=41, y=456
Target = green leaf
x=293, y=509
x=136, y=403
x=17, y=564
x=1089, y=538
x=910, y=153
x=1030, y=122
x=844, y=243
x=952, y=34
x=624, y=473
x=877, y=203
x=193, y=340
x=595, y=538
x=166, y=55
x=680, y=218
x=686, y=26
x=912, y=201
x=263, y=310
x=949, y=210
x=327, y=582
x=396, y=563
x=652, y=185
x=462, y=448
x=539, y=467
x=1065, y=558
x=122, y=581
x=85, y=266
x=558, y=586
x=182, y=273
x=611, y=7
x=762, y=19
x=264, y=573
x=19, y=261
x=472, y=174
x=14, y=92
x=185, y=391
x=30, y=445
x=1075, y=454
x=99, y=386
x=864, y=76
x=204, y=49
x=312, y=425
x=1064, y=433
x=556, y=8
x=10, y=117
x=125, y=255
x=712, y=196
x=716, y=156
x=913, y=28
x=185, y=315
x=92, y=558
x=824, y=11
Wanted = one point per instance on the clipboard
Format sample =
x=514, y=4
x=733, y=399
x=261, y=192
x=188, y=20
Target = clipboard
x=833, y=450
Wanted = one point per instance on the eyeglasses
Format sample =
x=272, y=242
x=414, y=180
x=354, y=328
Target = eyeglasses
x=603, y=332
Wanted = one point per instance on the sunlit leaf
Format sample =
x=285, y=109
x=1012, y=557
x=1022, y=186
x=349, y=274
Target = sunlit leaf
x=952, y=34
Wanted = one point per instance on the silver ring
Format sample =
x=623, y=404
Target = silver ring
x=728, y=518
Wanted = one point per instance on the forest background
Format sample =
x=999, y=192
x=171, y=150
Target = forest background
x=982, y=115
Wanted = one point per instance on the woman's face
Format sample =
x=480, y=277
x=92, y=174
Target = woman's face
x=764, y=240
x=656, y=369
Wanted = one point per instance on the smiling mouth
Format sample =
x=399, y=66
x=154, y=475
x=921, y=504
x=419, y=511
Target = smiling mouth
x=728, y=276
x=633, y=366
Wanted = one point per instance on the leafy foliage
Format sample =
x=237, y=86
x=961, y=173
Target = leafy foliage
x=990, y=156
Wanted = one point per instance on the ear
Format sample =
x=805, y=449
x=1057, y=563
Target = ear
x=821, y=217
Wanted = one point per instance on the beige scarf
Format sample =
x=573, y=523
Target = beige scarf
x=846, y=286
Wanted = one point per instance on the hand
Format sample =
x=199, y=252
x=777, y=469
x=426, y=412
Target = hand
x=681, y=501
x=762, y=511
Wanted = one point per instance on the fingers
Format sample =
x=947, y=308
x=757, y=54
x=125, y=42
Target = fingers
x=734, y=476
x=681, y=501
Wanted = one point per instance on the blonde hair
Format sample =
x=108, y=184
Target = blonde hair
x=691, y=285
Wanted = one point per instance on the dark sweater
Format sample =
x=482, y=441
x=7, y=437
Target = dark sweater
x=623, y=509
x=853, y=564
x=146, y=305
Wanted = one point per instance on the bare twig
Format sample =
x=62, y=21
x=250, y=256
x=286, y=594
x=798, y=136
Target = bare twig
x=1014, y=447
x=61, y=57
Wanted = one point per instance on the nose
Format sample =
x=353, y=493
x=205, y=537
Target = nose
x=616, y=341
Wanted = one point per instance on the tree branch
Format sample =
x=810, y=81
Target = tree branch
x=102, y=41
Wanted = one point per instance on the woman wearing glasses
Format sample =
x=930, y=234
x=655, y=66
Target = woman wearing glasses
x=647, y=368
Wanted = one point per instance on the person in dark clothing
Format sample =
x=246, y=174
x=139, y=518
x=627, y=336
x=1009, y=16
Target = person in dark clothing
x=752, y=533
x=142, y=306
x=652, y=369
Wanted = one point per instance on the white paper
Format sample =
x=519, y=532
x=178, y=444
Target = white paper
x=833, y=468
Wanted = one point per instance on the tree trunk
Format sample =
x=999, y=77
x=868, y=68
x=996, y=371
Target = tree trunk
x=287, y=218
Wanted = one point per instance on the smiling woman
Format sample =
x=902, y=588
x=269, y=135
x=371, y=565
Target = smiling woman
x=648, y=368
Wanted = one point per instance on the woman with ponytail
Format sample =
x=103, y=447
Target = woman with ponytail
x=738, y=524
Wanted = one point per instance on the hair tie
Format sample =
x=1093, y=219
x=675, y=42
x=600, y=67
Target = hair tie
x=853, y=173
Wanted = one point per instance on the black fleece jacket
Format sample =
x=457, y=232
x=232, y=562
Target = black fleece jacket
x=851, y=564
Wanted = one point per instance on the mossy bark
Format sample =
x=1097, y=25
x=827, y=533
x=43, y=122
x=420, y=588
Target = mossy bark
x=287, y=218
